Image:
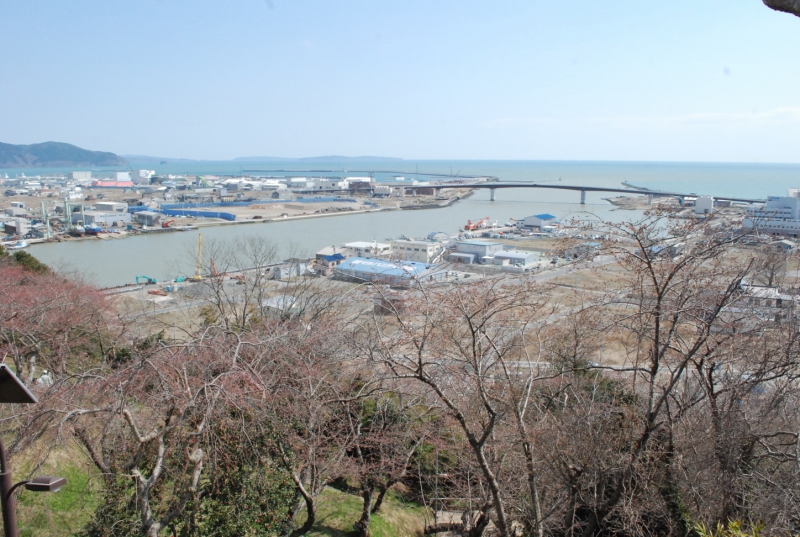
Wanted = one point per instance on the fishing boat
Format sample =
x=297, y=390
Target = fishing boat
x=19, y=245
x=93, y=230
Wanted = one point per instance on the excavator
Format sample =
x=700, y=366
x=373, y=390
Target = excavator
x=472, y=227
x=168, y=223
x=147, y=280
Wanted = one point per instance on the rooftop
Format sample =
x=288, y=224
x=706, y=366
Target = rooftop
x=480, y=243
x=334, y=257
x=404, y=269
x=366, y=244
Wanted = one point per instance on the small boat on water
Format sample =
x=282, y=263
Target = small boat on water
x=19, y=245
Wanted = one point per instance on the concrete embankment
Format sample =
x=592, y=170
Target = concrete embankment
x=216, y=223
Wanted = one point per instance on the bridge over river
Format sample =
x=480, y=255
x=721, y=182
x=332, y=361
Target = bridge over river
x=493, y=187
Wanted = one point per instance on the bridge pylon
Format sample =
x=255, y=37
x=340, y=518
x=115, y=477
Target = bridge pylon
x=491, y=194
x=583, y=197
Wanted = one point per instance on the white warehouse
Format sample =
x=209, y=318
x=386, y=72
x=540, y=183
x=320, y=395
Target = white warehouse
x=779, y=215
x=419, y=251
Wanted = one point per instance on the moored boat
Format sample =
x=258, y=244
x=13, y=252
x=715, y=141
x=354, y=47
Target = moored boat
x=19, y=245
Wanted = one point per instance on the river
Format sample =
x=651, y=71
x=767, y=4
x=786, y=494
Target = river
x=168, y=255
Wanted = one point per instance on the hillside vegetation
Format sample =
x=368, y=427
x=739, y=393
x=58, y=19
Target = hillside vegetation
x=52, y=154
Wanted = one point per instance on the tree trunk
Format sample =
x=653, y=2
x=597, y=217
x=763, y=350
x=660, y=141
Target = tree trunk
x=671, y=494
x=362, y=526
x=311, y=517
x=494, y=487
x=534, y=489
x=379, y=500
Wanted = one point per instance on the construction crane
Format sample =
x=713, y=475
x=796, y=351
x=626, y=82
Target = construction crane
x=198, y=260
x=168, y=223
x=472, y=227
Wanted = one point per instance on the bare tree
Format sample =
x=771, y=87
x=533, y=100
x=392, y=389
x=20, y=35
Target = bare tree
x=466, y=345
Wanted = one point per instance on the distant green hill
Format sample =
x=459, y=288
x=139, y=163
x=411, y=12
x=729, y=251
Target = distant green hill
x=54, y=154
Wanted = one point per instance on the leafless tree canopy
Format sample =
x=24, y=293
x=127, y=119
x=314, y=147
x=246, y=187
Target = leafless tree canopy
x=664, y=399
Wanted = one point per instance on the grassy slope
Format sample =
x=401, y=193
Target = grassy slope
x=66, y=512
x=338, y=512
x=62, y=513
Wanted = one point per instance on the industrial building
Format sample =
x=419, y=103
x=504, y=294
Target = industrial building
x=15, y=211
x=398, y=274
x=516, y=258
x=148, y=218
x=111, y=206
x=103, y=218
x=17, y=226
x=80, y=176
x=538, y=220
x=112, y=184
x=473, y=251
x=290, y=268
x=141, y=177
x=419, y=251
x=367, y=249
x=704, y=205
x=779, y=215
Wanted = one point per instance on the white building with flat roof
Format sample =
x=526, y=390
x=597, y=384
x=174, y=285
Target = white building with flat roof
x=419, y=251
x=103, y=218
x=367, y=249
x=474, y=251
x=779, y=215
x=516, y=258
x=141, y=177
x=704, y=205
x=111, y=206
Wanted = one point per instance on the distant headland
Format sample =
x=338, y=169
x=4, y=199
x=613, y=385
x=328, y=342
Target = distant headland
x=54, y=154
x=329, y=158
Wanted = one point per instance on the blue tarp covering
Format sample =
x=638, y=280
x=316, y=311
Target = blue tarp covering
x=206, y=214
x=320, y=199
x=211, y=204
x=357, y=266
x=545, y=216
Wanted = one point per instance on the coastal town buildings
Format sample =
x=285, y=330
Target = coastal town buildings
x=416, y=250
x=779, y=215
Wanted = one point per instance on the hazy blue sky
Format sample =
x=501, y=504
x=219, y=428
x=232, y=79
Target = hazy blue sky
x=707, y=80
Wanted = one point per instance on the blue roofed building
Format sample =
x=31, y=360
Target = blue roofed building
x=397, y=274
x=538, y=220
x=327, y=263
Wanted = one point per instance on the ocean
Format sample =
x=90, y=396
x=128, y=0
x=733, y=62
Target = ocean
x=166, y=256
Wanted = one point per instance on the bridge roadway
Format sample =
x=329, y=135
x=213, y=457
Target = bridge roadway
x=584, y=189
